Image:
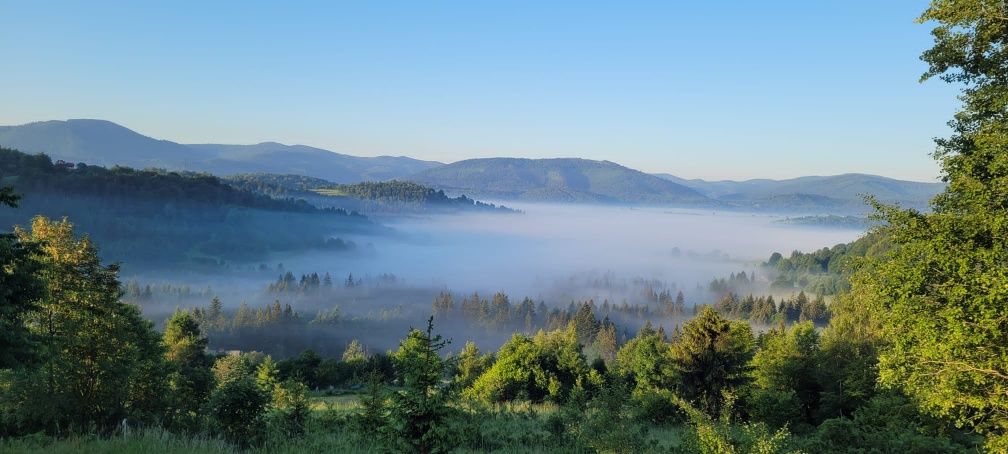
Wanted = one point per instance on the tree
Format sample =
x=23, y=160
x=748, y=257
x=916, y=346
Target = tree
x=419, y=411
x=470, y=365
x=785, y=376
x=215, y=316
x=711, y=357
x=20, y=290
x=443, y=305
x=233, y=367
x=943, y=286
x=237, y=409
x=354, y=352
x=190, y=380
x=267, y=375
x=646, y=362
x=100, y=360
x=289, y=408
x=546, y=366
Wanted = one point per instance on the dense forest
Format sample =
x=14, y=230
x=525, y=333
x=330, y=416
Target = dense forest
x=910, y=353
x=155, y=218
x=392, y=197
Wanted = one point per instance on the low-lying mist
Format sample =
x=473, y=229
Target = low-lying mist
x=553, y=254
x=534, y=253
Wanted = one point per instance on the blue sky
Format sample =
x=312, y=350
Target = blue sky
x=708, y=90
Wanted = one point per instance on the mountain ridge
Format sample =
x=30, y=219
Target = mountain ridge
x=102, y=142
x=564, y=180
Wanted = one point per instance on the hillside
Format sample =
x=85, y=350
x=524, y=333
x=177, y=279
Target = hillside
x=151, y=218
x=557, y=180
x=839, y=191
x=105, y=143
x=371, y=198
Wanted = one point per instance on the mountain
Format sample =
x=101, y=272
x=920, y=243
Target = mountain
x=105, y=143
x=837, y=191
x=556, y=180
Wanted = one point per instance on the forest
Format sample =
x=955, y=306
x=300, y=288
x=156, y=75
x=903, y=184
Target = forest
x=393, y=197
x=155, y=218
x=897, y=342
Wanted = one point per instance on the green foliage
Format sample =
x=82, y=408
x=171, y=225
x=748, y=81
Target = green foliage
x=289, y=410
x=547, y=366
x=887, y=423
x=943, y=286
x=19, y=290
x=785, y=371
x=354, y=352
x=100, y=361
x=850, y=346
x=233, y=367
x=469, y=365
x=190, y=380
x=646, y=362
x=419, y=411
x=720, y=437
x=827, y=270
x=373, y=417
x=711, y=358
x=607, y=424
x=236, y=411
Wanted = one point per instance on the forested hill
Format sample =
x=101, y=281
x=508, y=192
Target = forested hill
x=405, y=194
x=107, y=143
x=557, y=180
x=838, y=191
x=149, y=217
x=372, y=198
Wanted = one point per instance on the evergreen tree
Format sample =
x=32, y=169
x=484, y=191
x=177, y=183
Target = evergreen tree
x=20, y=290
x=711, y=357
x=419, y=411
x=190, y=380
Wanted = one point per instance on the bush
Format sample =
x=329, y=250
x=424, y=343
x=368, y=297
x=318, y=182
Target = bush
x=236, y=409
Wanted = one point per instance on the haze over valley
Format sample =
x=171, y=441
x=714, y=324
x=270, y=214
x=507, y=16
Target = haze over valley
x=467, y=227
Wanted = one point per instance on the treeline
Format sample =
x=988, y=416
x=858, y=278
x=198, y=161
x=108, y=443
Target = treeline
x=377, y=197
x=155, y=218
x=825, y=271
x=76, y=359
x=764, y=311
x=397, y=194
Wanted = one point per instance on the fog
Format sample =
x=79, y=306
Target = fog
x=549, y=245
x=554, y=254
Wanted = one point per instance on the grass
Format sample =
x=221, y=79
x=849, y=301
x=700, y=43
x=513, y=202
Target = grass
x=516, y=427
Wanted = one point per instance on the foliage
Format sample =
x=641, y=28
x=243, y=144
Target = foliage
x=711, y=358
x=156, y=218
x=785, y=371
x=289, y=409
x=469, y=365
x=100, y=360
x=19, y=291
x=419, y=411
x=236, y=411
x=190, y=380
x=546, y=366
x=943, y=286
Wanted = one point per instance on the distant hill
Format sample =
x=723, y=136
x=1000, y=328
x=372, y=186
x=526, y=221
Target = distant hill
x=836, y=191
x=157, y=218
x=372, y=198
x=557, y=180
x=105, y=143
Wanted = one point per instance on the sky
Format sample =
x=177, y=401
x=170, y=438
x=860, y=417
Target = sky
x=713, y=90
